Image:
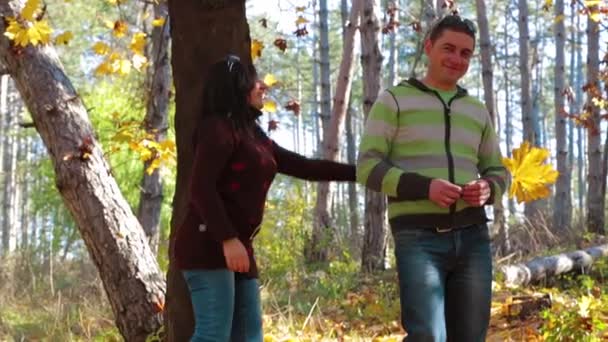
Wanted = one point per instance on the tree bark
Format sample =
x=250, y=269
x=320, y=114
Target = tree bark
x=202, y=32
x=321, y=235
x=114, y=238
x=531, y=209
x=375, y=230
x=562, y=209
x=595, y=210
x=542, y=268
x=156, y=123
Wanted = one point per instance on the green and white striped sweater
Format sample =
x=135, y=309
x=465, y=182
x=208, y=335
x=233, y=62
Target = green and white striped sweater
x=411, y=137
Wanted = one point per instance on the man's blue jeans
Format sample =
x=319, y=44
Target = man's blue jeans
x=445, y=282
x=226, y=306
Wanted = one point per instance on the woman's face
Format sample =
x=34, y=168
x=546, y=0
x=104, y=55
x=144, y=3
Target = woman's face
x=257, y=94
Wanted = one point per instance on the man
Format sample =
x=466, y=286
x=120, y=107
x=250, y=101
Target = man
x=432, y=149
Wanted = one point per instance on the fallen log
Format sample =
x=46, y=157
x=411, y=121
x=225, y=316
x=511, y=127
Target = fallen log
x=542, y=268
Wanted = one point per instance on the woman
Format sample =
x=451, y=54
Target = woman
x=234, y=165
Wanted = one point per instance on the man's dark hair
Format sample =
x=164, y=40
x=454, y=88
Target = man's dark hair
x=227, y=87
x=452, y=22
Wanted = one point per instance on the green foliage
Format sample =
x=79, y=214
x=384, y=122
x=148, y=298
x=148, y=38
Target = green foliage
x=578, y=314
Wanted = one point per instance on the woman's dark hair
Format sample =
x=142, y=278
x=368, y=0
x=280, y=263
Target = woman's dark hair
x=227, y=87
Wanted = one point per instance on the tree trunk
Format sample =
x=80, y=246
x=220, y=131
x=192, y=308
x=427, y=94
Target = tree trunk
x=321, y=235
x=115, y=240
x=595, y=211
x=195, y=27
x=375, y=231
x=325, y=67
x=531, y=209
x=156, y=123
x=542, y=268
x=562, y=206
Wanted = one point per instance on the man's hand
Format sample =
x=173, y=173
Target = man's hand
x=444, y=193
x=236, y=256
x=476, y=193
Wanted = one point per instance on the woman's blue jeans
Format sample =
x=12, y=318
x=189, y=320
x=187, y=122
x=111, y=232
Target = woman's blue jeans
x=226, y=306
x=445, y=282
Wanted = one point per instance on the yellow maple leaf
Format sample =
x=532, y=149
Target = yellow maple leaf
x=595, y=15
x=158, y=22
x=39, y=32
x=101, y=48
x=119, y=29
x=121, y=66
x=256, y=49
x=29, y=9
x=269, y=106
x=530, y=176
x=138, y=43
x=64, y=38
x=167, y=145
x=301, y=20
x=270, y=80
x=105, y=68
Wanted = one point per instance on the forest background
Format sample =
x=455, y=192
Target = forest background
x=77, y=233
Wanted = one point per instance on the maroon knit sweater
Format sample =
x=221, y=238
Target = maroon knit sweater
x=231, y=175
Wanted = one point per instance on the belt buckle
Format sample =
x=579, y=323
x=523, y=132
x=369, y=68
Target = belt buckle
x=443, y=230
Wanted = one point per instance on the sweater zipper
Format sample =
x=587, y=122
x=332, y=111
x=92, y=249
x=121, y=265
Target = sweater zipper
x=447, y=144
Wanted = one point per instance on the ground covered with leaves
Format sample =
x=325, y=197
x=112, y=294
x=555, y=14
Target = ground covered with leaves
x=333, y=304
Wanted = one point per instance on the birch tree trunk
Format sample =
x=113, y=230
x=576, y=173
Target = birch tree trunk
x=156, y=123
x=196, y=25
x=531, y=209
x=595, y=210
x=562, y=209
x=321, y=235
x=375, y=230
x=115, y=240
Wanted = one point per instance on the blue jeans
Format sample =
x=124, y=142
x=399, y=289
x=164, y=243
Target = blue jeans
x=445, y=283
x=226, y=306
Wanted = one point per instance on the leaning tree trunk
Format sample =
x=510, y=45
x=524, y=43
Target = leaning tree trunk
x=321, y=235
x=595, y=211
x=374, y=236
x=158, y=87
x=563, y=206
x=202, y=32
x=542, y=268
x=115, y=240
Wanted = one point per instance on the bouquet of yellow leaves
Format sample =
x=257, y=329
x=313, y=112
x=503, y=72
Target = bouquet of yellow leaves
x=530, y=176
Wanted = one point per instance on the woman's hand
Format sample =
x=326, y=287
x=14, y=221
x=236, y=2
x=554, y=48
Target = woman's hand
x=236, y=255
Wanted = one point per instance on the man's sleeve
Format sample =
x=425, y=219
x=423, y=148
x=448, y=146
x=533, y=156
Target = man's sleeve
x=374, y=169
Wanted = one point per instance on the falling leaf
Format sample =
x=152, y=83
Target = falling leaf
x=416, y=26
x=158, y=22
x=301, y=32
x=270, y=80
x=300, y=9
x=272, y=125
x=547, y=5
x=29, y=9
x=293, y=106
x=138, y=43
x=281, y=44
x=269, y=106
x=256, y=49
x=595, y=16
x=101, y=48
x=64, y=38
x=301, y=20
x=530, y=176
x=264, y=22
x=119, y=29
x=559, y=18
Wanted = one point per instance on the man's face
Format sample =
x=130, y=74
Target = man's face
x=449, y=56
x=258, y=94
